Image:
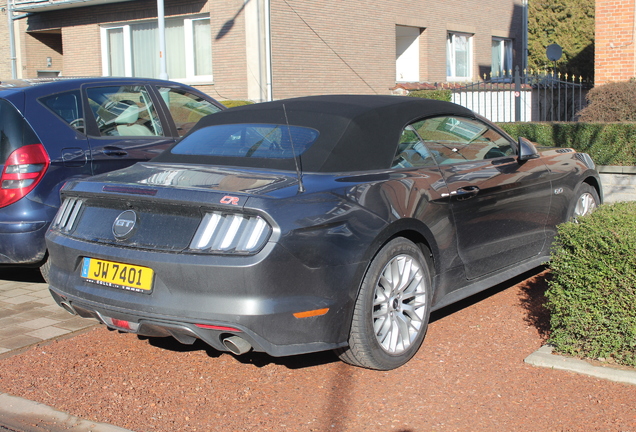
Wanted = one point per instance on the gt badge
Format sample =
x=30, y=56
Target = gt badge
x=125, y=225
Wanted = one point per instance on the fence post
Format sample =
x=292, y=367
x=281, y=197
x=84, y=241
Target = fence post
x=517, y=95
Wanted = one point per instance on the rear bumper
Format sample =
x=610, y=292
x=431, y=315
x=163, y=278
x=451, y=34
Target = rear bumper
x=255, y=295
x=22, y=243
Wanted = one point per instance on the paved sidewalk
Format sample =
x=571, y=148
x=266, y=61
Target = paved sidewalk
x=28, y=313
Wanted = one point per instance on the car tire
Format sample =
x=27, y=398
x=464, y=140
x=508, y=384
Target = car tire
x=45, y=268
x=586, y=199
x=392, y=310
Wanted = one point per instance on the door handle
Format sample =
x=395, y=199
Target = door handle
x=466, y=192
x=114, y=151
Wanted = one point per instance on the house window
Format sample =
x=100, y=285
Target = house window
x=459, y=57
x=501, y=57
x=132, y=49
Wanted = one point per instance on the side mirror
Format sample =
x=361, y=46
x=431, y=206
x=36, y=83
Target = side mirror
x=527, y=150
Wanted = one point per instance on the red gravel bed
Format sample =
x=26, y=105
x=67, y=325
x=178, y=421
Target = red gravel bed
x=468, y=376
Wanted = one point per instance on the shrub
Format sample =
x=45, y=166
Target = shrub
x=235, y=103
x=613, y=102
x=443, y=95
x=592, y=295
x=606, y=143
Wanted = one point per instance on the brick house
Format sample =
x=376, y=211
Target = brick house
x=317, y=47
x=614, y=45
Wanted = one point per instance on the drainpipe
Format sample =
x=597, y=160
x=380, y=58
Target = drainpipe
x=163, y=70
x=14, y=67
x=524, y=43
x=268, y=50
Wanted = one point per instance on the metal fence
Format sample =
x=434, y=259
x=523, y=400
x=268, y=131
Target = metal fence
x=536, y=97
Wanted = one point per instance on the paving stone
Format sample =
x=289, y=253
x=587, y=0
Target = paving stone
x=19, y=342
x=16, y=292
x=48, y=332
x=21, y=299
x=58, y=314
x=9, y=285
x=45, y=301
x=42, y=294
x=11, y=331
x=28, y=315
x=4, y=350
x=77, y=323
x=39, y=323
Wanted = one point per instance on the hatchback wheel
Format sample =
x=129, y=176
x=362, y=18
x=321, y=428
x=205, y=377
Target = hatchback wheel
x=392, y=310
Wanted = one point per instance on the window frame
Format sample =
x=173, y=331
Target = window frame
x=451, y=72
x=188, y=28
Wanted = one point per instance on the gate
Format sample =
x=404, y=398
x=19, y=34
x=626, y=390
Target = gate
x=533, y=97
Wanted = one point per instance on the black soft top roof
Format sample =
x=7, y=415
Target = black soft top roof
x=357, y=132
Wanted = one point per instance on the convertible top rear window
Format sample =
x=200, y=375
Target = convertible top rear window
x=268, y=141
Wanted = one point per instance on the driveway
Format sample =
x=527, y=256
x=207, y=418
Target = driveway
x=469, y=375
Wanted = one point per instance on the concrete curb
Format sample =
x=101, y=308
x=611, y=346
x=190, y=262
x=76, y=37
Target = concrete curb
x=543, y=357
x=27, y=415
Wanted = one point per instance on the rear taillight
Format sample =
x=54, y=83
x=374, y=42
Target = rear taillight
x=231, y=233
x=23, y=170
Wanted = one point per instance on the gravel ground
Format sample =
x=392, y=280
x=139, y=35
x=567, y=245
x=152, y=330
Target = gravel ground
x=468, y=376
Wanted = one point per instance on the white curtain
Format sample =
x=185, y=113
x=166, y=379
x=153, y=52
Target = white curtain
x=145, y=47
x=462, y=55
x=116, y=61
x=175, y=49
x=202, y=47
x=497, y=63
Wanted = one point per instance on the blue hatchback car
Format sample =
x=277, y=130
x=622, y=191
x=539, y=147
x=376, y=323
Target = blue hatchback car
x=51, y=132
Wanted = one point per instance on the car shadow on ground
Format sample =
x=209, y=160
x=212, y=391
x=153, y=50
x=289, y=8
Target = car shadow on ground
x=532, y=300
x=21, y=274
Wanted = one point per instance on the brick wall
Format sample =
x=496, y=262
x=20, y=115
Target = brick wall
x=335, y=46
x=5, y=66
x=614, y=41
x=318, y=47
x=41, y=47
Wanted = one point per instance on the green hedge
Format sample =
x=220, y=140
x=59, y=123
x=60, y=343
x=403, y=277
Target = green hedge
x=606, y=143
x=235, y=103
x=443, y=95
x=592, y=294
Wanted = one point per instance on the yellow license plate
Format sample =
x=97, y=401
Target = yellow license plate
x=117, y=275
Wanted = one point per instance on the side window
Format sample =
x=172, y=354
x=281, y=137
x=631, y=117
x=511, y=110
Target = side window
x=68, y=106
x=186, y=108
x=411, y=152
x=458, y=139
x=124, y=111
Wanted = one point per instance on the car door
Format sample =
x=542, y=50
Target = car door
x=500, y=205
x=124, y=125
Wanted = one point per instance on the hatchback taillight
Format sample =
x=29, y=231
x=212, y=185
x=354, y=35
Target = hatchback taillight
x=23, y=170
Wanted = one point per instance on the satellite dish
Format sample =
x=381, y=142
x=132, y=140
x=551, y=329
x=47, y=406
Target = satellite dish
x=554, y=52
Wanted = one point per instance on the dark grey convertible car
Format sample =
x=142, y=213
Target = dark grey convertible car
x=317, y=223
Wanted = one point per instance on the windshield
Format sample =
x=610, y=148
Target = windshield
x=269, y=141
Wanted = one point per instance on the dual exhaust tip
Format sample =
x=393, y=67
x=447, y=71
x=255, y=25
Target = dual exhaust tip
x=236, y=345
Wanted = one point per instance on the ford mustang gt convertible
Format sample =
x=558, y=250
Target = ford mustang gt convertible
x=316, y=223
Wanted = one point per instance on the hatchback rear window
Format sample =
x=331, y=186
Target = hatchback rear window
x=14, y=130
x=269, y=141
